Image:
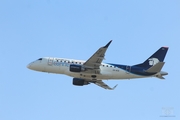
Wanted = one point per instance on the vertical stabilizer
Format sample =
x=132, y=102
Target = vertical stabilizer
x=157, y=57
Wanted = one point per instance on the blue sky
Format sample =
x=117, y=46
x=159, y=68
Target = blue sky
x=76, y=29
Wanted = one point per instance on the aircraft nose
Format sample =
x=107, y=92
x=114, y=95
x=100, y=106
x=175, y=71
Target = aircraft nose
x=34, y=66
x=29, y=66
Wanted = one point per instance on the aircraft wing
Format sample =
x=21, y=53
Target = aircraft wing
x=103, y=85
x=95, y=60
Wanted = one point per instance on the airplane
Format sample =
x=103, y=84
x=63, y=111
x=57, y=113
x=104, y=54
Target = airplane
x=94, y=71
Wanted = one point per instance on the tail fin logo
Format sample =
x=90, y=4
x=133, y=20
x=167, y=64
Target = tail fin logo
x=153, y=61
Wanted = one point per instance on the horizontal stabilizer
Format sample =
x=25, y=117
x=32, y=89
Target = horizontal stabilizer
x=160, y=77
x=156, y=68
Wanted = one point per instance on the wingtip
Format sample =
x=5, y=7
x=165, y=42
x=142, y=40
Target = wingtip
x=106, y=46
x=114, y=86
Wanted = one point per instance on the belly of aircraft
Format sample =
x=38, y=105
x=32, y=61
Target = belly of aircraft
x=103, y=75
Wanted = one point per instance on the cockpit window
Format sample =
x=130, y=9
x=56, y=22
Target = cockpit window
x=40, y=59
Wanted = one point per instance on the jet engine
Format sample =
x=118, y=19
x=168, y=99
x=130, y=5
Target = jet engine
x=80, y=82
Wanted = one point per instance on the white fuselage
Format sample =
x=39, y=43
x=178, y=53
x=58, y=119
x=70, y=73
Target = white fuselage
x=61, y=66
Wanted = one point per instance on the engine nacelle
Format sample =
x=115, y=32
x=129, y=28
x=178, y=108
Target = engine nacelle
x=80, y=82
x=75, y=68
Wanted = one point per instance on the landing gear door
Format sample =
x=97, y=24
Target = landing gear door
x=50, y=61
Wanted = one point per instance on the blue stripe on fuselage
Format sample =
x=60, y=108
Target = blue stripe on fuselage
x=133, y=69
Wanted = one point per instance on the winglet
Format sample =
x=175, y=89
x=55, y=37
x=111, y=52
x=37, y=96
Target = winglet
x=114, y=87
x=106, y=46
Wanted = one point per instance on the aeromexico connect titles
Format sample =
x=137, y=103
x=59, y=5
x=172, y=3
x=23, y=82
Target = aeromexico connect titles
x=94, y=71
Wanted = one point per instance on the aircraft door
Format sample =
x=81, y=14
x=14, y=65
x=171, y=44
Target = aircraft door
x=128, y=68
x=50, y=61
